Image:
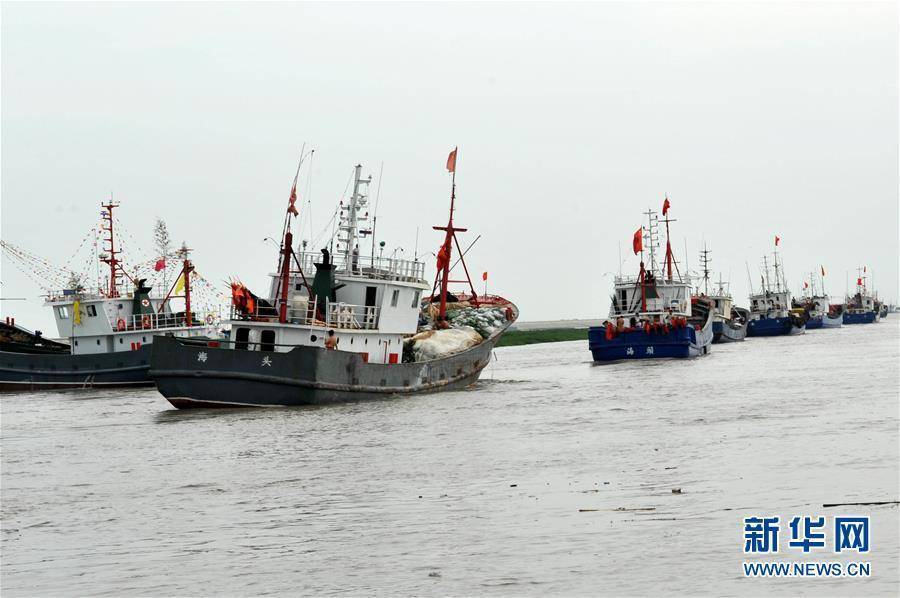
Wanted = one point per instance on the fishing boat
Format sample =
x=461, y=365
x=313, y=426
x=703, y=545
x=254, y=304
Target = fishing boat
x=816, y=304
x=653, y=315
x=105, y=332
x=771, y=313
x=861, y=307
x=341, y=326
x=730, y=321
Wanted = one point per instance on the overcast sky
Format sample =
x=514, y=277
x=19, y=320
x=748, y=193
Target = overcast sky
x=756, y=118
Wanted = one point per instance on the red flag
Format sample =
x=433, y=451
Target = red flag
x=823, y=270
x=484, y=277
x=864, y=268
x=451, y=161
x=160, y=264
x=638, y=242
x=292, y=209
x=859, y=282
x=777, y=239
x=666, y=205
x=805, y=285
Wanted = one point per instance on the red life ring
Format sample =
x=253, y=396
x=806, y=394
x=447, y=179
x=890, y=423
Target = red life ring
x=120, y=324
x=145, y=321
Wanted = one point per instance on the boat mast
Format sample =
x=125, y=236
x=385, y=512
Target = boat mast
x=350, y=223
x=704, y=260
x=652, y=237
x=669, y=256
x=186, y=268
x=111, y=252
x=777, y=271
x=766, y=271
x=442, y=277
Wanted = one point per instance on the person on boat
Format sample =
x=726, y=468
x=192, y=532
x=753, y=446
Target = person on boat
x=331, y=341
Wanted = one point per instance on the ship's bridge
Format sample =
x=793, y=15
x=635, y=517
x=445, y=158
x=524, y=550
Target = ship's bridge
x=662, y=296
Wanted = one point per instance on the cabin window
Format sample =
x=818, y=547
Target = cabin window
x=76, y=343
x=98, y=342
x=267, y=341
x=241, y=338
x=121, y=342
x=395, y=297
x=143, y=339
x=63, y=312
x=415, y=301
x=91, y=310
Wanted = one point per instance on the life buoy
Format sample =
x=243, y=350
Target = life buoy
x=145, y=321
x=120, y=324
x=210, y=319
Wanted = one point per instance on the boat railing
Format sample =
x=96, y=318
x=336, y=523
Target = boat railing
x=71, y=295
x=367, y=266
x=307, y=313
x=153, y=321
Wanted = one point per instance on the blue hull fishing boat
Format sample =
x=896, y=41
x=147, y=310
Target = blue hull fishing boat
x=816, y=304
x=862, y=317
x=862, y=308
x=729, y=321
x=770, y=310
x=653, y=315
x=775, y=326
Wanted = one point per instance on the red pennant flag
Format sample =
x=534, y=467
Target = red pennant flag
x=805, y=285
x=451, y=161
x=859, y=282
x=823, y=270
x=777, y=239
x=292, y=209
x=484, y=277
x=666, y=205
x=637, y=243
x=160, y=265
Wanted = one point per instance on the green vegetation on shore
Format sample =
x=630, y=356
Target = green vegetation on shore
x=513, y=338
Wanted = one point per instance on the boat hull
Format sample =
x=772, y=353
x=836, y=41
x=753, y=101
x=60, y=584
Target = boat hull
x=679, y=343
x=25, y=372
x=832, y=322
x=814, y=322
x=859, y=318
x=780, y=326
x=726, y=332
x=191, y=375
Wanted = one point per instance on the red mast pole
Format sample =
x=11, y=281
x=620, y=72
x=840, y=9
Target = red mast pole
x=186, y=270
x=286, y=251
x=111, y=259
x=446, y=251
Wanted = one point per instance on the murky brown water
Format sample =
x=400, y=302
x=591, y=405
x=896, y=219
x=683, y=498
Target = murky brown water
x=551, y=476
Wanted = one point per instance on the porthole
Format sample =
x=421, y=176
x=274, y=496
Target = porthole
x=313, y=338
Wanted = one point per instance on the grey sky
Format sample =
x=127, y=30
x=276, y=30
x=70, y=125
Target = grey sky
x=757, y=119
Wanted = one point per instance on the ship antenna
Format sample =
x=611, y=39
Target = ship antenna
x=375, y=213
